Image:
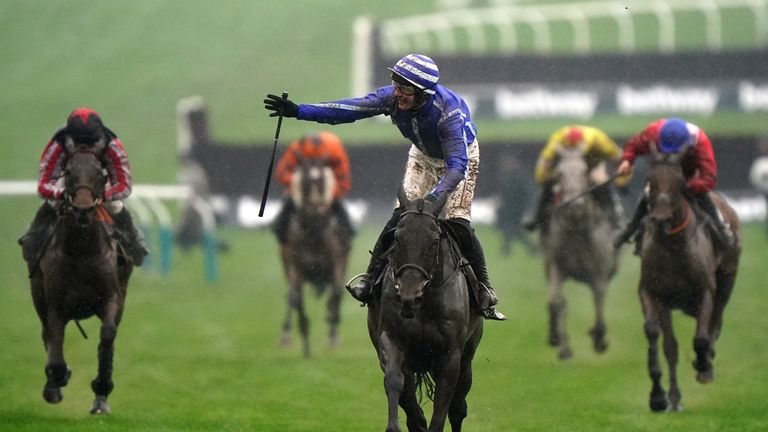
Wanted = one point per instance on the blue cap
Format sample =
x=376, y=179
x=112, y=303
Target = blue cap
x=674, y=135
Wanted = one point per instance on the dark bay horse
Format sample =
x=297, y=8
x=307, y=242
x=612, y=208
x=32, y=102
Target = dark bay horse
x=79, y=275
x=423, y=326
x=576, y=246
x=315, y=250
x=681, y=270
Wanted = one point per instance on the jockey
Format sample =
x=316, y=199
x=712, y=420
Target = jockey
x=597, y=149
x=674, y=135
x=84, y=132
x=324, y=145
x=443, y=158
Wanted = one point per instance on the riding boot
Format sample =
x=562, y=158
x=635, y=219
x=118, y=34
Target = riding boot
x=721, y=230
x=608, y=200
x=343, y=217
x=640, y=211
x=541, y=214
x=34, y=240
x=362, y=291
x=135, y=244
x=280, y=225
x=473, y=251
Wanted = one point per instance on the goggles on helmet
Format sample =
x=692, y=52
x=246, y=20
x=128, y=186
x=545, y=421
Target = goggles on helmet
x=405, y=89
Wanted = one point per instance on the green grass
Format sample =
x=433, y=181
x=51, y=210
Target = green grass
x=198, y=356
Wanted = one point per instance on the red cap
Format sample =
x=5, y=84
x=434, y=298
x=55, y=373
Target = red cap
x=574, y=136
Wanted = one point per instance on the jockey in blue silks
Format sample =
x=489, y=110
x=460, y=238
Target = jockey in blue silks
x=443, y=158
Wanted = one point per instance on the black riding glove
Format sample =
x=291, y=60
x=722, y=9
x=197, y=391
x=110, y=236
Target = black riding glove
x=280, y=106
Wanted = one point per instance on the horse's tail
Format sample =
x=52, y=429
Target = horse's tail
x=425, y=385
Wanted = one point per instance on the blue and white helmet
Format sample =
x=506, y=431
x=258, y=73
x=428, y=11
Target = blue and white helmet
x=419, y=70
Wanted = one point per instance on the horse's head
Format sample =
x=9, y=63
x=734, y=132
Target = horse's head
x=414, y=259
x=666, y=184
x=312, y=186
x=84, y=184
x=572, y=180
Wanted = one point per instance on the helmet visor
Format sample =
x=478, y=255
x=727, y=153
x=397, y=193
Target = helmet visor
x=405, y=89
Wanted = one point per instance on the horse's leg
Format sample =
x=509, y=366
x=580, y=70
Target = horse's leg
x=291, y=275
x=391, y=361
x=458, y=410
x=725, y=281
x=414, y=415
x=334, y=302
x=598, y=331
x=671, y=353
x=56, y=369
x=652, y=327
x=446, y=375
x=102, y=385
x=303, y=319
x=285, y=338
x=702, y=341
x=558, y=336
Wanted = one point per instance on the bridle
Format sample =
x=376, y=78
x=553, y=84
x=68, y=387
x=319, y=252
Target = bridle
x=428, y=275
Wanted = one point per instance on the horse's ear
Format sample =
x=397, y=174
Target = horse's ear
x=402, y=197
x=440, y=203
x=656, y=155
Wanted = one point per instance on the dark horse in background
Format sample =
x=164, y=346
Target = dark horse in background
x=315, y=250
x=422, y=325
x=81, y=273
x=577, y=245
x=681, y=270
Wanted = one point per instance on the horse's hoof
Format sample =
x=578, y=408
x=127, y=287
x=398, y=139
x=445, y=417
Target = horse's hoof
x=100, y=406
x=676, y=407
x=553, y=340
x=52, y=395
x=601, y=346
x=565, y=353
x=285, y=341
x=334, y=341
x=658, y=405
x=705, y=377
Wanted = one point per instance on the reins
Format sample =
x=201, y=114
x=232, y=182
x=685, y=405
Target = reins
x=685, y=223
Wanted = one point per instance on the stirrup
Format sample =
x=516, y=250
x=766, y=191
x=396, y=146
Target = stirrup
x=361, y=291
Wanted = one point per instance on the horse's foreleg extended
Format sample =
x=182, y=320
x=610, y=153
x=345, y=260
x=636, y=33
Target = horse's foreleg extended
x=598, y=331
x=558, y=337
x=298, y=302
x=702, y=342
x=285, y=338
x=102, y=385
x=56, y=369
x=391, y=362
x=334, y=317
x=652, y=327
x=670, y=352
x=458, y=410
x=446, y=375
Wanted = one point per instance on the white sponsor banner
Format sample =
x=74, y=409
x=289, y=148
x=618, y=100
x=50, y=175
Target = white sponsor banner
x=753, y=97
x=543, y=102
x=662, y=98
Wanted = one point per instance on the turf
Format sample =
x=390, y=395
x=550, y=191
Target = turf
x=193, y=355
